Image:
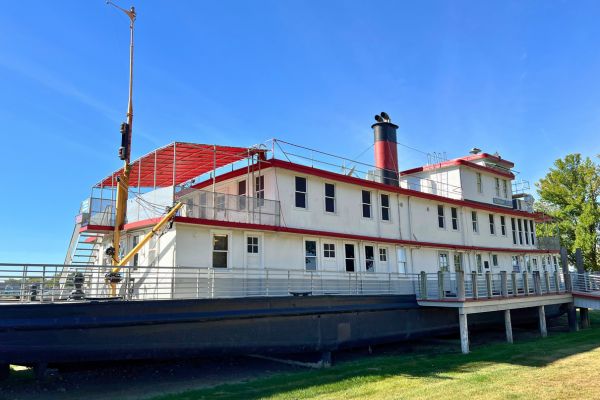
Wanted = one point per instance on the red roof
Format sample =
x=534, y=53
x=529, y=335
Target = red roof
x=177, y=163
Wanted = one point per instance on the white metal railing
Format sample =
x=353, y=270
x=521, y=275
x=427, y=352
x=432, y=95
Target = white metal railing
x=49, y=283
x=473, y=286
x=586, y=283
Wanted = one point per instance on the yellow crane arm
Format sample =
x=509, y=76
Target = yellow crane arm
x=147, y=237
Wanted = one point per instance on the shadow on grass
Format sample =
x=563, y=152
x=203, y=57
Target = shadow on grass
x=532, y=352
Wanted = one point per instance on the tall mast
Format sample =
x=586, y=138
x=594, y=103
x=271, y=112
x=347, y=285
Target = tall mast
x=125, y=149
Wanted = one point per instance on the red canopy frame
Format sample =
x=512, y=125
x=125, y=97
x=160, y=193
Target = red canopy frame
x=179, y=162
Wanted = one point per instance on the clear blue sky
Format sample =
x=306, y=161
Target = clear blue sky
x=518, y=77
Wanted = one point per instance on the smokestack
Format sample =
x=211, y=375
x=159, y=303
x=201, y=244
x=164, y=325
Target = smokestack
x=386, y=149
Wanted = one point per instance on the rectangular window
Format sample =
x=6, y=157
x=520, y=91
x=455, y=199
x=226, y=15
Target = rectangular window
x=502, y=225
x=528, y=263
x=350, y=257
x=479, y=263
x=454, y=215
x=535, y=264
x=458, y=262
x=492, y=224
x=310, y=255
x=495, y=260
x=479, y=183
x=330, y=197
x=300, y=192
x=329, y=250
x=259, y=190
x=401, y=253
x=520, y=230
x=505, y=188
x=543, y=263
x=241, y=195
x=555, y=259
x=370, y=258
x=532, y=232
x=515, y=264
x=526, y=224
x=497, y=187
x=474, y=221
x=366, y=204
x=441, y=219
x=252, y=244
x=444, y=262
x=514, y=230
x=220, y=250
x=383, y=254
x=385, y=207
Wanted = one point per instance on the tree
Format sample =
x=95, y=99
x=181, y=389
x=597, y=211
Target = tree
x=569, y=194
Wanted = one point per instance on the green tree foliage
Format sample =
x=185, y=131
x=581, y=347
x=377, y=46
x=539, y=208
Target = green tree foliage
x=569, y=194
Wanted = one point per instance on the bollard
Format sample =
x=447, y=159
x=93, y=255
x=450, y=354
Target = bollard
x=460, y=285
x=503, y=283
x=526, y=283
x=33, y=292
x=488, y=284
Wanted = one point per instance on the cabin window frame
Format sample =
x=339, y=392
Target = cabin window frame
x=366, y=207
x=299, y=194
x=331, y=198
x=227, y=251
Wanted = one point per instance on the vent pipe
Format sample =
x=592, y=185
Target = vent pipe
x=386, y=150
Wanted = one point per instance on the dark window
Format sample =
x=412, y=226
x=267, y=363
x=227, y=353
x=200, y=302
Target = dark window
x=383, y=254
x=259, y=190
x=502, y=225
x=385, y=207
x=532, y=232
x=474, y=221
x=514, y=230
x=369, y=258
x=329, y=250
x=492, y=225
x=242, y=195
x=454, y=215
x=330, y=197
x=252, y=243
x=366, y=204
x=300, y=192
x=350, y=258
x=220, y=250
x=310, y=255
x=495, y=260
x=526, y=225
x=520, y=231
x=441, y=220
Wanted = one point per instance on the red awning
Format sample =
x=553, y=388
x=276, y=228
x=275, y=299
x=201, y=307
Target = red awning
x=177, y=163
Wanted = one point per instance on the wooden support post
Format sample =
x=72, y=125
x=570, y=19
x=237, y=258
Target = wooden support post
x=423, y=282
x=557, y=282
x=441, y=290
x=547, y=281
x=572, y=317
x=508, y=326
x=488, y=284
x=565, y=269
x=464, y=331
x=542, y=318
x=504, y=284
x=537, y=284
x=474, y=285
x=460, y=286
x=584, y=316
x=513, y=278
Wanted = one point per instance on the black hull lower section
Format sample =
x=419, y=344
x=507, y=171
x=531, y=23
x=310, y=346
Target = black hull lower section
x=115, y=330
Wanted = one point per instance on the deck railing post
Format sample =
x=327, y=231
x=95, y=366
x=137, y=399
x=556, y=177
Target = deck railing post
x=474, y=285
x=537, y=283
x=525, y=283
x=547, y=281
x=557, y=282
x=423, y=284
x=441, y=291
x=488, y=284
x=513, y=278
x=460, y=285
x=504, y=283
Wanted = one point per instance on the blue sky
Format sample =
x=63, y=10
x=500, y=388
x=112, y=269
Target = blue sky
x=520, y=78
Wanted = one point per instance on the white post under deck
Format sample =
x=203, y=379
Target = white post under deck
x=464, y=332
x=542, y=318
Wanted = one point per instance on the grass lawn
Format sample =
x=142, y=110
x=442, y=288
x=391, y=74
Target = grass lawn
x=561, y=366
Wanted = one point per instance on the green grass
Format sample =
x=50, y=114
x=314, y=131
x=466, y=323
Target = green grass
x=561, y=366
